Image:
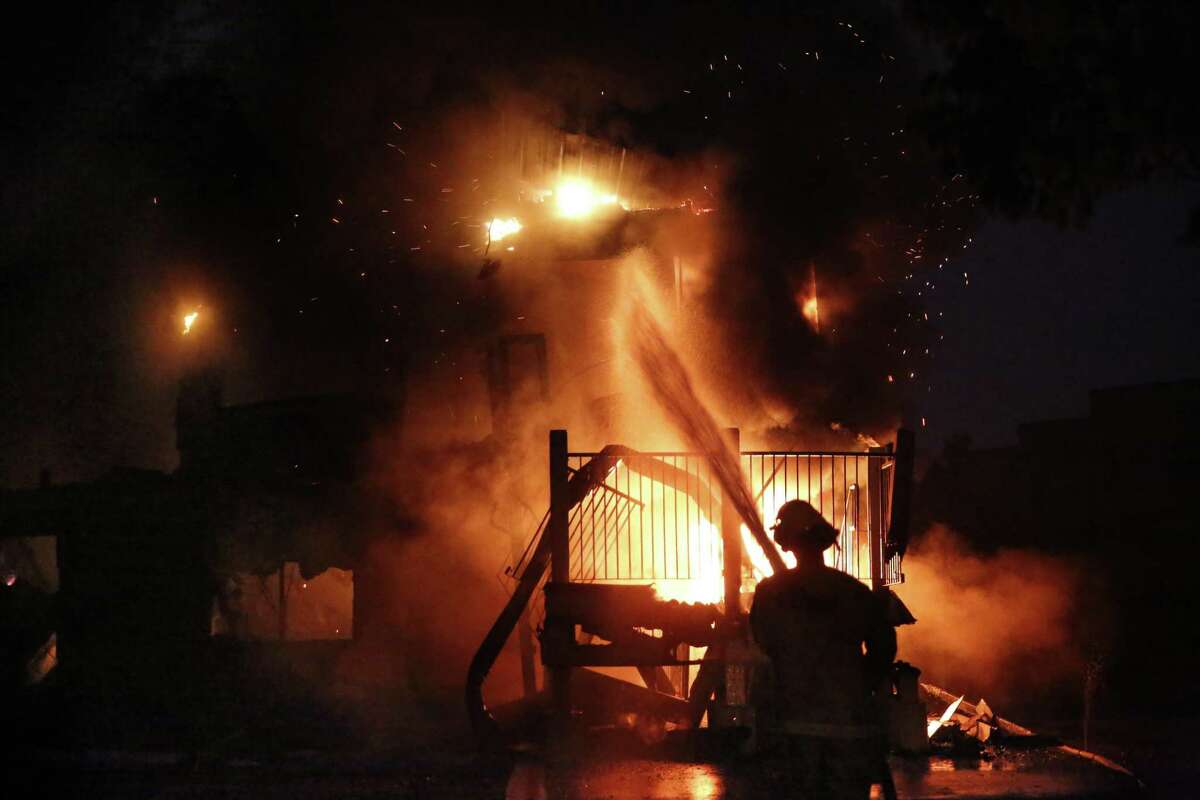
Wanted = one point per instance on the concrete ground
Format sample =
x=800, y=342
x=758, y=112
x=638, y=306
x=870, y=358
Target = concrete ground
x=1043, y=776
x=458, y=776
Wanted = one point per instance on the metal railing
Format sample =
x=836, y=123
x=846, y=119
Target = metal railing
x=852, y=490
x=657, y=517
x=651, y=519
x=643, y=517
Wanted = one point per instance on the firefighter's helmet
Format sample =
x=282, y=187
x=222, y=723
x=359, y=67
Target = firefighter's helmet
x=798, y=524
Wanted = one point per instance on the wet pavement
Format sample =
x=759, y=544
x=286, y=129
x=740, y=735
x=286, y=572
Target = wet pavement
x=457, y=774
x=1042, y=775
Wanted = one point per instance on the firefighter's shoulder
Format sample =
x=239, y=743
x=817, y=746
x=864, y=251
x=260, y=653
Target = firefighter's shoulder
x=848, y=583
x=767, y=584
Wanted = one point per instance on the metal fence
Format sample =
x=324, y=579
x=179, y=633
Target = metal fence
x=851, y=490
x=657, y=517
x=651, y=519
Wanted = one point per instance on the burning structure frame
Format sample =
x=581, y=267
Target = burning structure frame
x=639, y=563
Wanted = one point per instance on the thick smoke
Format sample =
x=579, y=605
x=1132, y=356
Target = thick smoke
x=847, y=211
x=842, y=197
x=1016, y=627
x=330, y=208
x=287, y=171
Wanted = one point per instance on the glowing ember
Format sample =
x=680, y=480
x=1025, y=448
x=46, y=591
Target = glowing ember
x=188, y=321
x=576, y=198
x=501, y=228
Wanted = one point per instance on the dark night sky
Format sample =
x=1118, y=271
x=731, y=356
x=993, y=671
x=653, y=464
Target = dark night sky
x=90, y=271
x=1051, y=313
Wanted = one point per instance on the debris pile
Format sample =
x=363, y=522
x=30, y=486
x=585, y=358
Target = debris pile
x=973, y=730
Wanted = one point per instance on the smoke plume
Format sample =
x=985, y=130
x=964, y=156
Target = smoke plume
x=332, y=200
x=1012, y=626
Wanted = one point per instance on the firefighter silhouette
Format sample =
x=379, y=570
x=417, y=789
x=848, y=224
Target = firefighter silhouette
x=830, y=645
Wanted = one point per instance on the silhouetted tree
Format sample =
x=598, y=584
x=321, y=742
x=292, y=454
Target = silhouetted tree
x=1047, y=105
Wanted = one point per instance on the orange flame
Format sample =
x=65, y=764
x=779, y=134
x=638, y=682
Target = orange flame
x=812, y=311
x=810, y=307
x=189, y=320
x=500, y=228
x=576, y=198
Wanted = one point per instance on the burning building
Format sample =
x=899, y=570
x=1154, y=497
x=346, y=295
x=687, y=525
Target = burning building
x=554, y=268
x=263, y=546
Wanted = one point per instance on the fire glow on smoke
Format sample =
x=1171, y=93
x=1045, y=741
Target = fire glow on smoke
x=501, y=228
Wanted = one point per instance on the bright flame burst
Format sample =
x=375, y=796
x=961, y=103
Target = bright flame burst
x=576, y=198
x=810, y=306
x=501, y=228
x=188, y=321
x=812, y=311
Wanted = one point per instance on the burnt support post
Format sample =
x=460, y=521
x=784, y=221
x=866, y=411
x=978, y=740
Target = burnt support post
x=875, y=504
x=559, y=633
x=731, y=538
x=902, y=489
